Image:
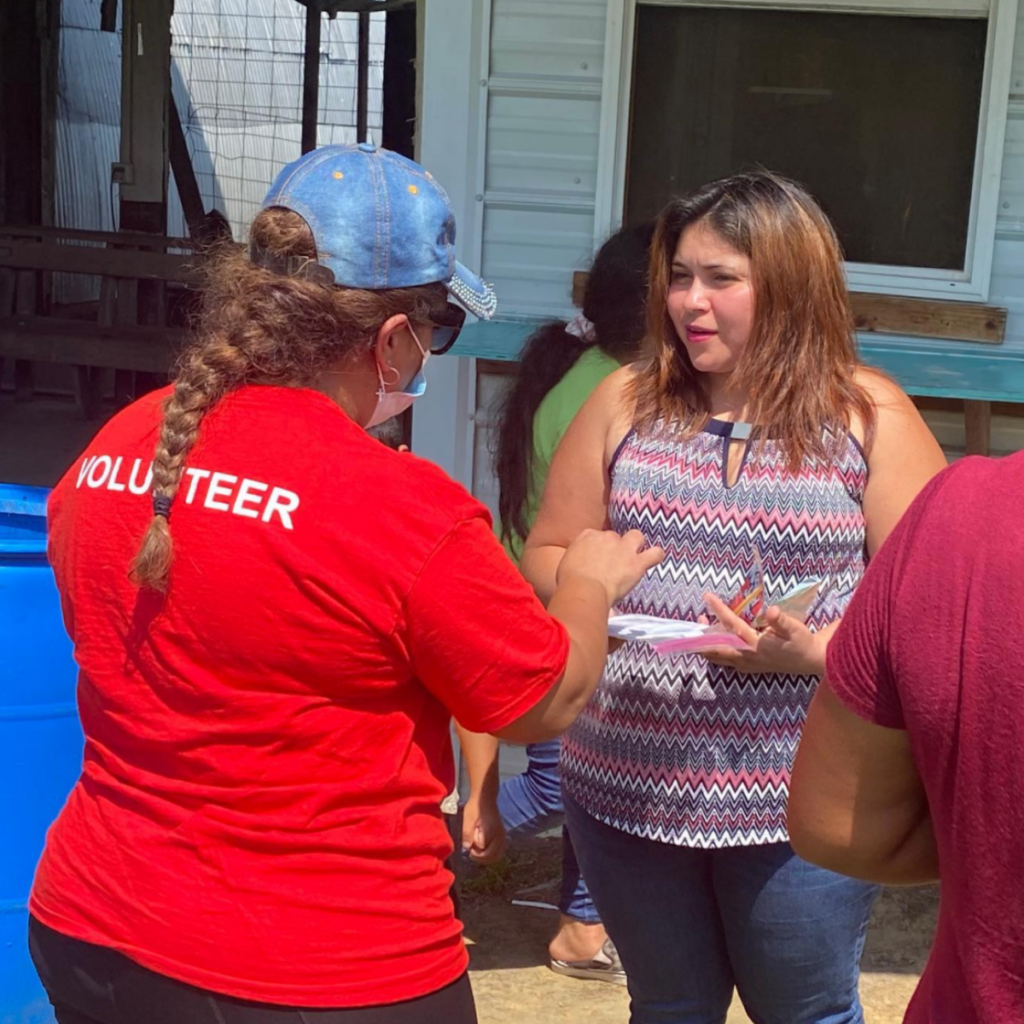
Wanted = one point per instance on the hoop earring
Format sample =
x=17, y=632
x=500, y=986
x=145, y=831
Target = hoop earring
x=398, y=376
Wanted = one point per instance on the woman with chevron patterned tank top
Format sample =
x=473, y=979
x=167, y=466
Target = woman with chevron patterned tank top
x=750, y=441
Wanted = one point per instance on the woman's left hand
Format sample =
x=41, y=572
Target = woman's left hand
x=483, y=832
x=786, y=646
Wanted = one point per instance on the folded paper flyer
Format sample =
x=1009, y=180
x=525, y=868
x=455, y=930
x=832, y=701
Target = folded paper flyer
x=674, y=636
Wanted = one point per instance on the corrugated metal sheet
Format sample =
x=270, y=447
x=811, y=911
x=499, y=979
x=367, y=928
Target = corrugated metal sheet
x=237, y=76
x=237, y=79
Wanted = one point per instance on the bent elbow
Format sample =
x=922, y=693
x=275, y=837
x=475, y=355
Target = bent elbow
x=814, y=841
x=811, y=847
x=532, y=730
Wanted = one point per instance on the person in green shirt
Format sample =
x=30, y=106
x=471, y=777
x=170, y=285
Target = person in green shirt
x=560, y=365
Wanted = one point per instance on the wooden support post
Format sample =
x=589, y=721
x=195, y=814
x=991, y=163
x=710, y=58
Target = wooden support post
x=978, y=426
x=311, y=77
x=49, y=56
x=147, y=118
x=89, y=388
x=89, y=379
x=145, y=87
x=185, y=174
x=7, y=282
x=399, y=104
x=24, y=380
x=363, y=78
x=127, y=313
x=7, y=285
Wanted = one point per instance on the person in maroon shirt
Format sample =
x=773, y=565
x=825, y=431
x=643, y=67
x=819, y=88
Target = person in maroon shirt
x=911, y=767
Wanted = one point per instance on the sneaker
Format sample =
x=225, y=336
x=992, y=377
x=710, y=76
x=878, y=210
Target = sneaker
x=605, y=966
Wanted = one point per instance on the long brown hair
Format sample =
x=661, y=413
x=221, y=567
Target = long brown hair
x=259, y=327
x=799, y=366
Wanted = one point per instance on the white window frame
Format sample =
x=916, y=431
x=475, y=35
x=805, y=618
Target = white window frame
x=970, y=284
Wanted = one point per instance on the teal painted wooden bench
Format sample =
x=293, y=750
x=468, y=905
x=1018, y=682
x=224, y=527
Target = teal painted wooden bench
x=975, y=374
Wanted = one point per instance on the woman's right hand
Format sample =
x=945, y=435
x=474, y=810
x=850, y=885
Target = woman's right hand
x=616, y=563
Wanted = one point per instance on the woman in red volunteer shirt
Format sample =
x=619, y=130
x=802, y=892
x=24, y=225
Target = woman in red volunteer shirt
x=256, y=834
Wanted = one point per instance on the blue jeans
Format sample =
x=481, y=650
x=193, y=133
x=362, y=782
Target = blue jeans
x=532, y=803
x=691, y=924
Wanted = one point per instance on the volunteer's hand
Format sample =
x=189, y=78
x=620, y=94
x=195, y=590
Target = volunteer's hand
x=483, y=834
x=617, y=563
x=785, y=646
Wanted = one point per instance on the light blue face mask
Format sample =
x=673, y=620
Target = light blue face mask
x=394, y=403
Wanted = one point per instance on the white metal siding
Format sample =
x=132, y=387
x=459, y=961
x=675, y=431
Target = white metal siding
x=489, y=387
x=546, y=64
x=1008, y=268
x=540, y=174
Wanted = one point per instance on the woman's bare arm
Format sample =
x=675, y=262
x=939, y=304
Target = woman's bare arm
x=576, y=494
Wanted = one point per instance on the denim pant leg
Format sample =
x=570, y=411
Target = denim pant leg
x=532, y=803
x=658, y=903
x=795, y=933
x=575, y=899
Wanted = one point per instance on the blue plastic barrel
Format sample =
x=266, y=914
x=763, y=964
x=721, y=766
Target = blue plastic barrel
x=40, y=737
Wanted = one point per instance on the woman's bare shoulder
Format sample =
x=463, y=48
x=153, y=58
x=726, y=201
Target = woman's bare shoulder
x=883, y=391
x=606, y=415
x=620, y=402
x=892, y=405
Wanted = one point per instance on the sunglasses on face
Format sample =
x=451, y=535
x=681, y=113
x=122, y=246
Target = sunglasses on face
x=447, y=325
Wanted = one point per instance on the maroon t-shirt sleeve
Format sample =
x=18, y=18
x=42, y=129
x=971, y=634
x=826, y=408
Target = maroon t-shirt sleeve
x=860, y=655
x=478, y=638
x=857, y=663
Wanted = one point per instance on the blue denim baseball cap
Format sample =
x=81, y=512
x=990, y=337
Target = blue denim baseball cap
x=379, y=220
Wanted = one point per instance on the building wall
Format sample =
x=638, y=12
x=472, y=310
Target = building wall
x=546, y=64
x=1008, y=270
x=540, y=183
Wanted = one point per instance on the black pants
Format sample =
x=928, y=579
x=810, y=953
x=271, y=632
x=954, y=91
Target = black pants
x=90, y=984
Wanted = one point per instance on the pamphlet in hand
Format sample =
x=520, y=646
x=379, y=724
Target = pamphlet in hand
x=673, y=636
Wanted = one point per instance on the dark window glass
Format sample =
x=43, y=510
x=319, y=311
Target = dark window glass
x=877, y=115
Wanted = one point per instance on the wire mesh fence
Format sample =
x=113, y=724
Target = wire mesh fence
x=236, y=76
x=237, y=70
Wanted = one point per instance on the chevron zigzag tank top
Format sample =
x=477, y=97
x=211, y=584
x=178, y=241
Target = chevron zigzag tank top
x=675, y=749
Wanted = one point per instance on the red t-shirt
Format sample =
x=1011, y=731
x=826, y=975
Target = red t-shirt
x=932, y=643
x=267, y=748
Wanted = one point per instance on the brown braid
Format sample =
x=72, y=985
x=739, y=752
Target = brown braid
x=260, y=328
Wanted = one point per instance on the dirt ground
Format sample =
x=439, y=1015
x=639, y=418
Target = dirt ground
x=508, y=948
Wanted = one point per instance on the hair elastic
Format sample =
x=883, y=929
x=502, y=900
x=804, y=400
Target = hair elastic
x=580, y=327
x=291, y=266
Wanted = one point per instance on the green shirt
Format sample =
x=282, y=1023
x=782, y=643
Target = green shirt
x=552, y=419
